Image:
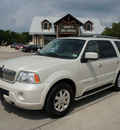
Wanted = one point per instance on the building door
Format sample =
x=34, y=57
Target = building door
x=48, y=39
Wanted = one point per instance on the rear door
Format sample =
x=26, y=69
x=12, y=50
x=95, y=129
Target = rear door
x=109, y=60
x=118, y=45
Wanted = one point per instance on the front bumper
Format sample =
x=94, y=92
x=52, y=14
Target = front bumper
x=27, y=96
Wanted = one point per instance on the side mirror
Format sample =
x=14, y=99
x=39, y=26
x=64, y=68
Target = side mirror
x=89, y=56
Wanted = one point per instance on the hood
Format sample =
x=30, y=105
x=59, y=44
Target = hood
x=30, y=63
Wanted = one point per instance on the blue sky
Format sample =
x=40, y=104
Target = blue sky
x=17, y=15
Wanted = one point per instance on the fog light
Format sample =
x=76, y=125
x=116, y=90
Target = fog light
x=21, y=96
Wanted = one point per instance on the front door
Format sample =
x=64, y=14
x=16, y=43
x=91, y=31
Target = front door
x=92, y=74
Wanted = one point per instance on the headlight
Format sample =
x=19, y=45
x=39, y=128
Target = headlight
x=28, y=77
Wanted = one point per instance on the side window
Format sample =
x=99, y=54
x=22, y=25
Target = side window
x=92, y=46
x=106, y=49
x=33, y=46
x=118, y=45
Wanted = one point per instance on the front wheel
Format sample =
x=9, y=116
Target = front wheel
x=59, y=100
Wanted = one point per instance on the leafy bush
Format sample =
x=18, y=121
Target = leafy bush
x=114, y=30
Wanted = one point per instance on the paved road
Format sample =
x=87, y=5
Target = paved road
x=97, y=112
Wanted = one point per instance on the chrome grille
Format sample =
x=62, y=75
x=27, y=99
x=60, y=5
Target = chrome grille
x=7, y=74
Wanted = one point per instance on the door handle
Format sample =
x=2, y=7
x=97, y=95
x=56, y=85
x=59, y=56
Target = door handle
x=117, y=61
x=99, y=65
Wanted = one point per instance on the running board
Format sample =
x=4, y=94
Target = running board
x=94, y=91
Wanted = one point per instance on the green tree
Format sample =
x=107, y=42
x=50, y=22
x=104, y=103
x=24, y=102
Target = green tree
x=1, y=36
x=114, y=30
x=7, y=36
x=10, y=37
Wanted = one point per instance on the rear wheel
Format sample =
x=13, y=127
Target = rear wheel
x=117, y=83
x=59, y=100
x=31, y=50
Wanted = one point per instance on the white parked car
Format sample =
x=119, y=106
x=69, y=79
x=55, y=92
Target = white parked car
x=65, y=70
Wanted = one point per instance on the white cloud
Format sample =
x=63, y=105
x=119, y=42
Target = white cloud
x=109, y=20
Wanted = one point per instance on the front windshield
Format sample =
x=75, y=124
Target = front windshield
x=27, y=45
x=63, y=48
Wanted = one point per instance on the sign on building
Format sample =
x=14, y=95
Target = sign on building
x=68, y=29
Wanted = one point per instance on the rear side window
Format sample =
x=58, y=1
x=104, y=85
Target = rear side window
x=34, y=46
x=106, y=49
x=118, y=45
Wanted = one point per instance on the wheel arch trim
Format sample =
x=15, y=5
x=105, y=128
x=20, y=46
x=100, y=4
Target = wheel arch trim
x=51, y=85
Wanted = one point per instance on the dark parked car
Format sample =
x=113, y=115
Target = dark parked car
x=31, y=48
x=13, y=45
x=18, y=46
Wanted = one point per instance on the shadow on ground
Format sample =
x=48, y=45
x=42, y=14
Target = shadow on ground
x=41, y=114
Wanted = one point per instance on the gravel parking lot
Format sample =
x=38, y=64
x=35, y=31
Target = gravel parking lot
x=97, y=112
x=7, y=53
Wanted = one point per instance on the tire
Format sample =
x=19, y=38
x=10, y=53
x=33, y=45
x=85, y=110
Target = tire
x=117, y=83
x=59, y=100
x=31, y=50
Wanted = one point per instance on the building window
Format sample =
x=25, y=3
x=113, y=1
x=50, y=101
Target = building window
x=48, y=39
x=88, y=27
x=45, y=26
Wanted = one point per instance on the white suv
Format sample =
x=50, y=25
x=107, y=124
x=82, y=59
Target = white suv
x=65, y=70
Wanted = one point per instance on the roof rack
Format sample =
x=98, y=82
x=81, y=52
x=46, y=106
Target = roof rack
x=99, y=36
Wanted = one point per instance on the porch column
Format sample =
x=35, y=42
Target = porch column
x=42, y=40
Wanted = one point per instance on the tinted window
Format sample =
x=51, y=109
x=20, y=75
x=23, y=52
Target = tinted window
x=106, y=49
x=92, y=46
x=34, y=46
x=118, y=45
x=20, y=44
x=27, y=45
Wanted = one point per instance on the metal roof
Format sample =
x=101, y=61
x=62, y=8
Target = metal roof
x=36, y=27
